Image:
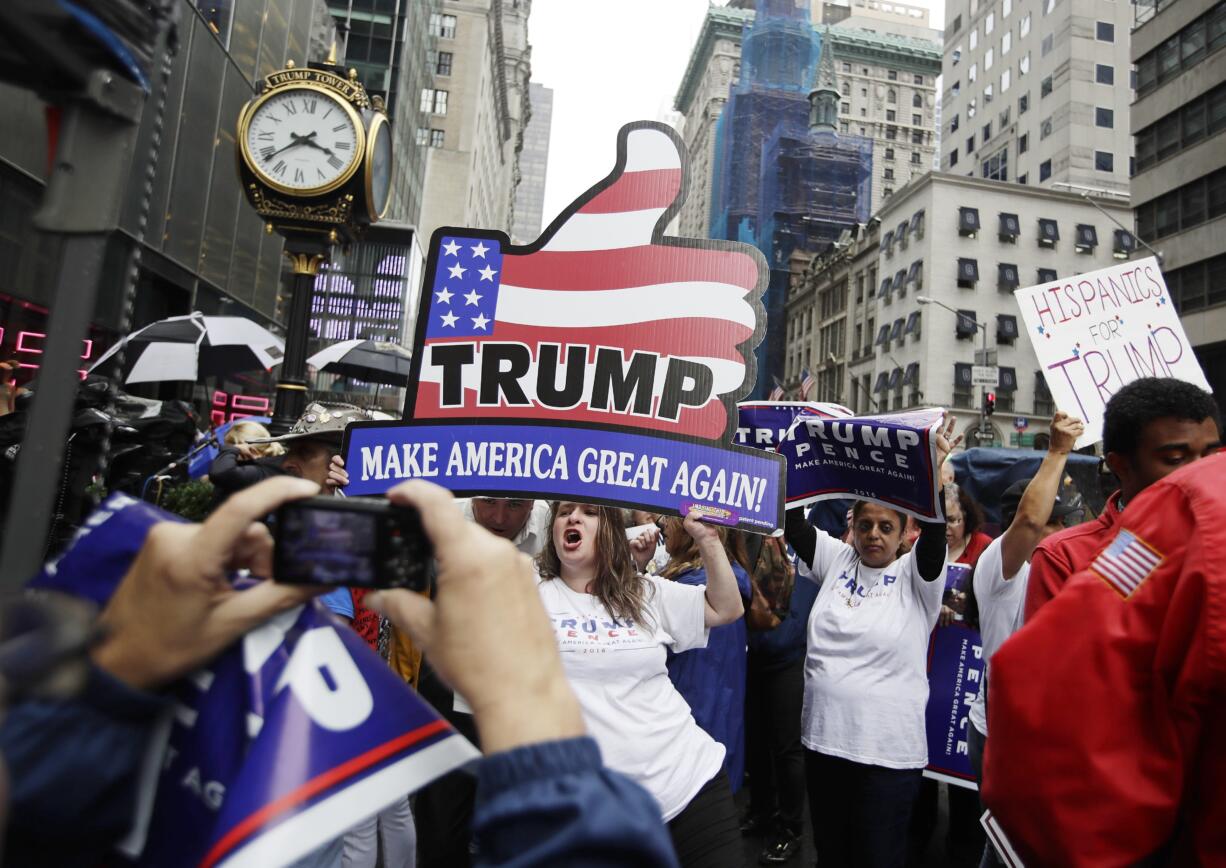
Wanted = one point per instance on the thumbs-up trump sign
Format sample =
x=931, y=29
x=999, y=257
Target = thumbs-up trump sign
x=601, y=363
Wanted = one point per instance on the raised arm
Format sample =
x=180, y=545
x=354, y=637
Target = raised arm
x=1034, y=510
x=724, y=604
x=931, y=548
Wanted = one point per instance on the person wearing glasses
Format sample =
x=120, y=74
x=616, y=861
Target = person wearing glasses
x=866, y=685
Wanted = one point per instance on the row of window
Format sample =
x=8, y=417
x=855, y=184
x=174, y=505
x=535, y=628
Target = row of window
x=896, y=332
x=903, y=278
x=1186, y=126
x=917, y=100
x=1185, y=49
x=1009, y=229
x=1190, y=205
x=897, y=378
x=440, y=61
x=913, y=225
x=1199, y=285
x=430, y=138
x=433, y=101
x=966, y=325
x=891, y=116
x=891, y=74
x=442, y=26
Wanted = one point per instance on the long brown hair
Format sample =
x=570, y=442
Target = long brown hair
x=687, y=556
x=617, y=584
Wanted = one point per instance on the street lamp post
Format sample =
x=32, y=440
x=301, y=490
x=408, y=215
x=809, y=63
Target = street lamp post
x=983, y=390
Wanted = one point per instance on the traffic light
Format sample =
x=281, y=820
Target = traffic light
x=989, y=403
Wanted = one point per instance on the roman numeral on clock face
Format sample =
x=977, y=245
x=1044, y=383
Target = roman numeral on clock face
x=344, y=146
x=289, y=108
x=299, y=177
x=267, y=152
x=265, y=136
x=334, y=162
x=280, y=167
x=340, y=128
x=310, y=105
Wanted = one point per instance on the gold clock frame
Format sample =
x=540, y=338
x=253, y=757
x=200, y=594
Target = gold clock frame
x=378, y=124
x=360, y=152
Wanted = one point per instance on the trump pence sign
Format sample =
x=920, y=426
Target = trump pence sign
x=1098, y=331
x=602, y=363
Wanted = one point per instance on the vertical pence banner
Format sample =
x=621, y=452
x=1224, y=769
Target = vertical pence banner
x=602, y=363
x=1098, y=331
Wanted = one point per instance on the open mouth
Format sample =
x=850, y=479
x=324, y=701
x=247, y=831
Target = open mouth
x=571, y=539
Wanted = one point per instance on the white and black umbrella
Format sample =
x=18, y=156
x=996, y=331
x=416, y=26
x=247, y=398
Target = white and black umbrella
x=195, y=346
x=371, y=361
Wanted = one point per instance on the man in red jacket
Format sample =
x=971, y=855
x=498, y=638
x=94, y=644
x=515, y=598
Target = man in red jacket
x=1108, y=710
x=1151, y=427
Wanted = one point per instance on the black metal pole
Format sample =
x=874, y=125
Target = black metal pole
x=306, y=253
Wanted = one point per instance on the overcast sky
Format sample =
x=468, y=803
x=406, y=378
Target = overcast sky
x=609, y=63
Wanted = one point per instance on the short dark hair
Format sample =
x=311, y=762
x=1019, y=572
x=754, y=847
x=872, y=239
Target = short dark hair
x=860, y=504
x=972, y=513
x=1142, y=401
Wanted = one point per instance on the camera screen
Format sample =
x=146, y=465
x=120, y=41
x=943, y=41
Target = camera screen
x=328, y=547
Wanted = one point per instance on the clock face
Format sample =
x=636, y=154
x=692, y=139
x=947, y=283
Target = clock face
x=303, y=141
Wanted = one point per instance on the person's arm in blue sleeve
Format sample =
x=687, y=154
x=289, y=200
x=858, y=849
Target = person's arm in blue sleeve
x=73, y=768
x=554, y=803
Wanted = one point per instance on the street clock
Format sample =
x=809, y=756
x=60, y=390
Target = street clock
x=315, y=152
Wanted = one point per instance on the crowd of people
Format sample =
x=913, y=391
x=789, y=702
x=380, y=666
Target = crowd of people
x=628, y=675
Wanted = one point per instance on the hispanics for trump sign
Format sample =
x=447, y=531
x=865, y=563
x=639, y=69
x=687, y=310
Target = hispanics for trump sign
x=602, y=363
x=1095, y=332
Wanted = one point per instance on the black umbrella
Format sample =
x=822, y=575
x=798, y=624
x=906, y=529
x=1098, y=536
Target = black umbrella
x=194, y=346
x=371, y=361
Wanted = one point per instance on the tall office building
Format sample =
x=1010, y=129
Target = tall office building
x=1179, y=190
x=1038, y=92
x=474, y=114
x=533, y=163
x=878, y=57
x=391, y=45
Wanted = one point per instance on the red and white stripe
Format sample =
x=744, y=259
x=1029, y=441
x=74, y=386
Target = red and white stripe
x=1126, y=563
x=601, y=282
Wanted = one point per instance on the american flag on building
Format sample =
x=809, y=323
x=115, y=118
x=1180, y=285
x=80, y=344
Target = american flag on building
x=598, y=281
x=806, y=384
x=1126, y=563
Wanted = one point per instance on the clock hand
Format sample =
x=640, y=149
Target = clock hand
x=317, y=146
x=297, y=140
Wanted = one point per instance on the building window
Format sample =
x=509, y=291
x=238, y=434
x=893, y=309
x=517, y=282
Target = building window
x=1006, y=43
x=964, y=392
x=843, y=127
x=887, y=192
x=1182, y=128
x=917, y=120
x=1104, y=117
x=1006, y=329
x=1007, y=277
x=1045, y=45
x=892, y=75
x=970, y=145
x=917, y=101
x=1085, y=238
x=1024, y=27
x=846, y=89
x=1104, y=161
x=1023, y=104
x=436, y=138
x=423, y=136
x=956, y=89
x=1044, y=170
x=1023, y=65
x=987, y=94
x=972, y=73
x=891, y=133
x=1190, y=205
x=891, y=96
x=915, y=157
x=1046, y=275
x=889, y=115
x=919, y=79
x=1023, y=143
x=1043, y=403
x=1104, y=73
x=1045, y=87
x=996, y=167
x=888, y=174
x=953, y=157
x=989, y=58
x=1045, y=128
x=917, y=137
x=846, y=67
x=1023, y=178
x=1006, y=80
x=433, y=101
x=442, y=65
x=953, y=124
x=1049, y=232
x=845, y=108
x=989, y=23
x=974, y=39
x=966, y=323
x=1010, y=228
x=987, y=132
x=442, y=25
x=1104, y=31
x=1189, y=46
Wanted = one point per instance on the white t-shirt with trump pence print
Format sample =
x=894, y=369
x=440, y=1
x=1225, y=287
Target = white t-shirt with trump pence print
x=866, y=679
x=617, y=670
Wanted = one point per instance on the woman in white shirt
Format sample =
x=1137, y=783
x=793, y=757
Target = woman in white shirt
x=866, y=684
x=613, y=627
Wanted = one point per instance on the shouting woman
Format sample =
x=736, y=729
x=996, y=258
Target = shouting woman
x=614, y=628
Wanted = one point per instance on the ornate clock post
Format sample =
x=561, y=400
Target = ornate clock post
x=315, y=160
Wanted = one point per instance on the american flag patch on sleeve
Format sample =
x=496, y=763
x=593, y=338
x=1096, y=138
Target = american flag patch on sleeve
x=1126, y=563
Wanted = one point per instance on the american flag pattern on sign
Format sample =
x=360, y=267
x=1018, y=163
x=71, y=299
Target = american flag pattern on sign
x=1126, y=563
x=598, y=281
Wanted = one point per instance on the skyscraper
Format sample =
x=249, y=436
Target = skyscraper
x=1179, y=190
x=533, y=163
x=1038, y=93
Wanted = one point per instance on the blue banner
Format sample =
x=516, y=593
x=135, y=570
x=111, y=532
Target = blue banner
x=279, y=746
x=766, y=424
x=889, y=460
x=735, y=487
x=955, y=673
